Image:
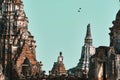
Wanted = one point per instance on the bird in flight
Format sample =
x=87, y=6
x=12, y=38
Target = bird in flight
x=79, y=9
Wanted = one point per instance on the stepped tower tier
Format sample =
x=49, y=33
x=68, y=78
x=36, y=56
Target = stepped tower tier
x=115, y=33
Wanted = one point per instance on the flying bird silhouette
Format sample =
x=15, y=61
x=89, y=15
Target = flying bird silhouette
x=79, y=9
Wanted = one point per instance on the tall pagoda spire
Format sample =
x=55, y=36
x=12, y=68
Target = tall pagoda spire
x=87, y=51
x=115, y=42
x=88, y=38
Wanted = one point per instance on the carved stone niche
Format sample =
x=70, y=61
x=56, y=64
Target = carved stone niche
x=26, y=62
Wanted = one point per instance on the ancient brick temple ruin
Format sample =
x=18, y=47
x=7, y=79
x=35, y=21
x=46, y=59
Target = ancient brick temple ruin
x=17, y=45
x=58, y=67
x=102, y=63
x=18, y=51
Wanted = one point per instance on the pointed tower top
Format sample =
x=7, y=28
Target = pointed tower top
x=88, y=33
x=88, y=38
x=60, y=53
x=60, y=57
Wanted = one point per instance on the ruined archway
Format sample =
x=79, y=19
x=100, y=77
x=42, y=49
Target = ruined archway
x=26, y=71
x=25, y=62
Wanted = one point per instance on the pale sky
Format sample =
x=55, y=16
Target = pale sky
x=58, y=26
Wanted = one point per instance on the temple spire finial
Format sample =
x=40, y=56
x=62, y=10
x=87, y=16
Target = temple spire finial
x=88, y=38
x=60, y=57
